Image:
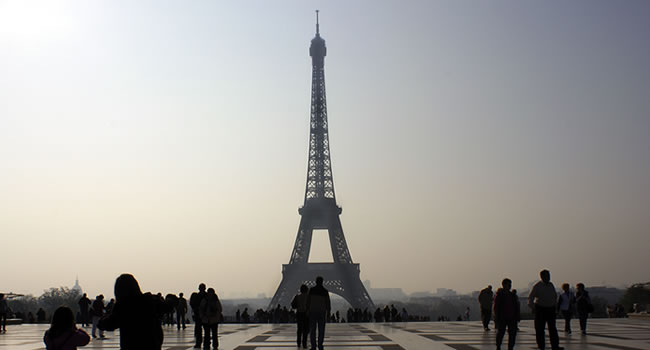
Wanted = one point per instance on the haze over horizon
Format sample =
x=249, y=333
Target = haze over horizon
x=470, y=141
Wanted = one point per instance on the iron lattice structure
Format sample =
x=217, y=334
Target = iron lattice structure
x=320, y=211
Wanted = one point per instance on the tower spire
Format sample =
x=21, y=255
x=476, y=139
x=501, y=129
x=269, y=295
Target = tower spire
x=317, y=26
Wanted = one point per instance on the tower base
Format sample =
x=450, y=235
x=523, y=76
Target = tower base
x=340, y=279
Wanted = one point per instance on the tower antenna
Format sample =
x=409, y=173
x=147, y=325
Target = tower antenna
x=317, y=26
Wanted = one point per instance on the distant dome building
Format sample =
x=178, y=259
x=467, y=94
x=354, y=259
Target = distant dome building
x=77, y=287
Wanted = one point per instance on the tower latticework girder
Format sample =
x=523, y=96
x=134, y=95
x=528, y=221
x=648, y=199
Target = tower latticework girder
x=320, y=211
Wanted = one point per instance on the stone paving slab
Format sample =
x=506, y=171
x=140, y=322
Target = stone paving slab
x=603, y=334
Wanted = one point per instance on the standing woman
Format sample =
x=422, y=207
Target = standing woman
x=137, y=315
x=565, y=304
x=63, y=333
x=584, y=306
x=210, y=311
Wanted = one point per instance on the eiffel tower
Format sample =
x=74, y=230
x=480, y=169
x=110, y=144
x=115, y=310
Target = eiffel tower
x=320, y=211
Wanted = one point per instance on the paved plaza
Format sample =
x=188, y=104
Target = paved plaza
x=620, y=334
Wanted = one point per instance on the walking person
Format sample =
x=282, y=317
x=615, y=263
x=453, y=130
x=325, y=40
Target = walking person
x=84, y=305
x=542, y=300
x=181, y=310
x=583, y=306
x=210, y=311
x=318, y=309
x=566, y=305
x=485, y=299
x=299, y=303
x=4, y=312
x=506, y=314
x=195, y=303
x=97, y=313
x=63, y=333
x=138, y=315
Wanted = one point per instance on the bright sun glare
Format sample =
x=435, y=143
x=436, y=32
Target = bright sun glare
x=26, y=21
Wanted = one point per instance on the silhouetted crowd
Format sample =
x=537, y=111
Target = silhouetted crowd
x=140, y=316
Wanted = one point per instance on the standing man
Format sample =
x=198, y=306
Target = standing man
x=181, y=310
x=584, y=306
x=506, y=314
x=318, y=309
x=542, y=300
x=84, y=304
x=299, y=303
x=195, y=303
x=485, y=299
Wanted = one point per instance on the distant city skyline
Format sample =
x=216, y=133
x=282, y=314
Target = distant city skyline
x=470, y=141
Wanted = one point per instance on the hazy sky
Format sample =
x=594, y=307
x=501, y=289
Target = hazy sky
x=470, y=141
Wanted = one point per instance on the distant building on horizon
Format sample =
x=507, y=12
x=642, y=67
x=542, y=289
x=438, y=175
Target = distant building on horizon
x=76, y=286
x=385, y=294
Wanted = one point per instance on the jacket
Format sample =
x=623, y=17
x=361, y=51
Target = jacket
x=506, y=307
x=67, y=341
x=318, y=300
x=299, y=302
x=485, y=299
x=138, y=319
x=210, y=309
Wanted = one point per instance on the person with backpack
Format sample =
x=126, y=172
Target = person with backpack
x=299, y=303
x=210, y=312
x=506, y=314
x=485, y=300
x=583, y=306
x=195, y=303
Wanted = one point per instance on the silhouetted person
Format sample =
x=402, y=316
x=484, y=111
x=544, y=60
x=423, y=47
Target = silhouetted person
x=583, y=306
x=386, y=314
x=63, y=333
x=542, y=300
x=485, y=299
x=238, y=316
x=40, y=315
x=210, y=311
x=84, y=305
x=137, y=315
x=97, y=312
x=299, y=303
x=467, y=314
x=195, y=304
x=181, y=310
x=379, y=316
x=506, y=314
x=566, y=304
x=318, y=308
x=514, y=292
x=109, y=306
x=245, y=316
x=4, y=312
x=405, y=315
